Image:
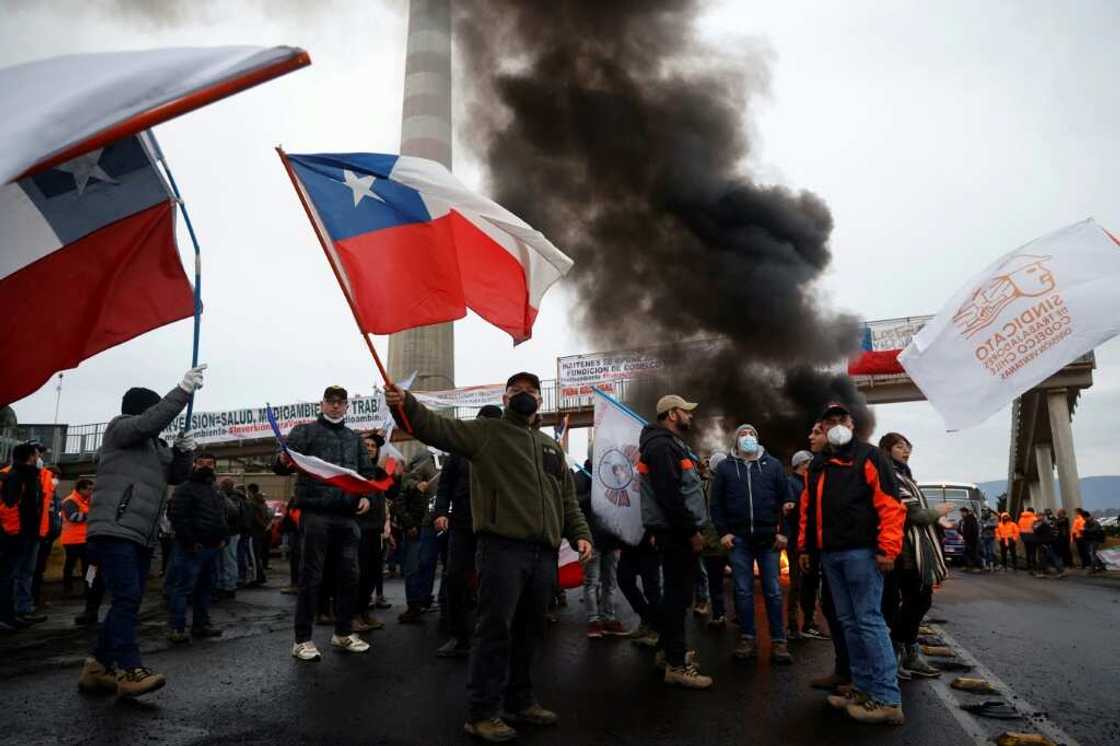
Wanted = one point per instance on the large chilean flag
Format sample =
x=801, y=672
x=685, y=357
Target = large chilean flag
x=87, y=260
x=412, y=246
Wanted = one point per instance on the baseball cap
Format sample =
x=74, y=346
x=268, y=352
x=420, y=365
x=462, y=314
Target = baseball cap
x=672, y=401
x=335, y=392
x=800, y=458
x=524, y=376
x=832, y=408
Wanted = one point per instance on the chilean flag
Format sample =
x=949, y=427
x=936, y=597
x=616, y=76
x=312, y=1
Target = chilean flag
x=569, y=569
x=412, y=246
x=872, y=361
x=347, y=480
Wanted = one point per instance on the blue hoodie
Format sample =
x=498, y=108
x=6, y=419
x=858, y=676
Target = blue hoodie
x=747, y=497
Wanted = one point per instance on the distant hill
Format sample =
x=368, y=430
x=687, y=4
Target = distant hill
x=1097, y=493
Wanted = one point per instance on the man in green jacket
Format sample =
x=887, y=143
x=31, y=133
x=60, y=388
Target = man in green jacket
x=523, y=502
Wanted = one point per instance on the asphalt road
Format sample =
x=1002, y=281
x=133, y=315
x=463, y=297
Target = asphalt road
x=1053, y=644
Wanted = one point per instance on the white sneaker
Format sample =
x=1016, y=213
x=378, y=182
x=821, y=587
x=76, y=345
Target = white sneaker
x=351, y=643
x=306, y=651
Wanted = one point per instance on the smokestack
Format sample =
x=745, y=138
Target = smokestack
x=618, y=132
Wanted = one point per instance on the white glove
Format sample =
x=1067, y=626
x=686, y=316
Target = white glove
x=192, y=379
x=185, y=442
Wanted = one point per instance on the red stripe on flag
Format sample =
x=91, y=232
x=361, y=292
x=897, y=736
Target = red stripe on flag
x=493, y=280
x=104, y=289
x=875, y=362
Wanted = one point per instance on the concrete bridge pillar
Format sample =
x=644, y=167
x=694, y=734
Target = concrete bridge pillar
x=1045, y=462
x=1035, y=496
x=1064, y=453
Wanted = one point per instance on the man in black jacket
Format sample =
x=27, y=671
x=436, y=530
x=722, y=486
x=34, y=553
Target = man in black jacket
x=197, y=512
x=453, y=513
x=969, y=529
x=327, y=522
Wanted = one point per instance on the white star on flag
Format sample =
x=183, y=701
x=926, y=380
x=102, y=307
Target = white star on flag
x=85, y=167
x=361, y=186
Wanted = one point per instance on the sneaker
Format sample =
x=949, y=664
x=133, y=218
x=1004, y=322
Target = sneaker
x=382, y=604
x=595, y=629
x=848, y=696
x=205, y=631
x=178, y=637
x=746, y=648
x=290, y=590
x=454, y=649
x=138, y=681
x=830, y=682
x=306, y=651
x=902, y=673
x=814, y=633
x=718, y=623
x=917, y=665
x=351, y=643
x=779, y=653
x=493, y=730
x=659, y=660
x=534, y=714
x=875, y=713
x=96, y=679
x=687, y=676
x=701, y=608
x=411, y=615
x=614, y=628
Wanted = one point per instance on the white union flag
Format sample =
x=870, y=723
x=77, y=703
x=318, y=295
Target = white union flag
x=616, y=496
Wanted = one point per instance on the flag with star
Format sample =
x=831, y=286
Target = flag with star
x=88, y=260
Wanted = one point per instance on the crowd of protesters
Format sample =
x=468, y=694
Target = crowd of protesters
x=860, y=540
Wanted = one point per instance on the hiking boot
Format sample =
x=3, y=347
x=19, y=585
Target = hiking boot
x=687, y=676
x=411, y=615
x=850, y=695
x=830, y=682
x=96, y=679
x=371, y=621
x=779, y=653
x=614, y=628
x=205, y=631
x=810, y=630
x=493, y=730
x=875, y=713
x=358, y=625
x=595, y=629
x=350, y=644
x=534, y=714
x=746, y=648
x=138, y=681
x=306, y=651
x=382, y=604
x=454, y=649
x=917, y=665
x=701, y=608
x=659, y=660
x=178, y=637
x=718, y=623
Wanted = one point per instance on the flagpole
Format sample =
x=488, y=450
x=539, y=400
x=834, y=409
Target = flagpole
x=323, y=241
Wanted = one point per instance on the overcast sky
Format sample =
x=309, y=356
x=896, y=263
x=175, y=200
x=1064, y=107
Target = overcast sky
x=940, y=134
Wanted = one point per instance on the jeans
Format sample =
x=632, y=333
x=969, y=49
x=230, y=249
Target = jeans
x=338, y=537
x=643, y=562
x=598, y=585
x=988, y=553
x=679, y=567
x=413, y=572
x=123, y=566
x=857, y=590
x=430, y=548
x=246, y=561
x=1030, y=548
x=191, y=576
x=1051, y=556
x=841, y=664
x=713, y=567
x=701, y=589
x=42, y=556
x=463, y=545
x=11, y=553
x=516, y=581
x=227, y=566
x=25, y=576
x=744, y=553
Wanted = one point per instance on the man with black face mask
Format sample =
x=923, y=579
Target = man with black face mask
x=197, y=512
x=523, y=502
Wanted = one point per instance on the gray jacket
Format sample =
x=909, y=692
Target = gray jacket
x=134, y=468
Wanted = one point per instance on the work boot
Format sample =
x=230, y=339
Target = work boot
x=493, y=730
x=138, y=681
x=849, y=695
x=178, y=637
x=412, y=615
x=659, y=660
x=701, y=608
x=534, y=714
x=687, y=676
x=371, y=621
x=746, y=648
x=902, y=673
x=358, y=625
x=917, y=665
x=875, y=713
x=454, y=649
x=779, y=653
x=96, y=679
x=205, y=631
x=830, y=682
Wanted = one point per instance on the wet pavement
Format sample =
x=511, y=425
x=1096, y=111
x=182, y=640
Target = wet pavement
x=1053, y=644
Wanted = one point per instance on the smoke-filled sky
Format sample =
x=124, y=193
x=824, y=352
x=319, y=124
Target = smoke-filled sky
x=934, y=138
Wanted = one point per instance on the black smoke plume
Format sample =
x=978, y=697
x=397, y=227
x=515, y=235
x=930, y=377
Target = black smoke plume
x=622, y=136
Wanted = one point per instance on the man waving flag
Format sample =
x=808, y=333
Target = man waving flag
x=412, y=246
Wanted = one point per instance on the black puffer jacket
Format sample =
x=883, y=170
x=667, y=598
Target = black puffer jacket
x=336, y=444
x=453, y=498
x=197, y=512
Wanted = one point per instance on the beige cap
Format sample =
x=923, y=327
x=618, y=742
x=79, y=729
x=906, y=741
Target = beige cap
x=672, y=401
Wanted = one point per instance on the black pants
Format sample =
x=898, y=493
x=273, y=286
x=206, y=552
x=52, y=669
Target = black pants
x=1006, y=548
x=1030, y=547
x=972, y=555
x=1083, y=554
x=45, y=546
x=842, y=665
x=905, y=603
x=165, y=544
x=713, y=567
x=643, y=562
x=516, y=581
x=809, y=593
x=379, y=566
x=678, y=568
x=337, y=538
x=1065, y=550
x=295, y=550
x=75, y=553
x=461, y=550
x=260, y=553
x=368, y=547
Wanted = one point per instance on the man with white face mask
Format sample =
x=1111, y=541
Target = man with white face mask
x=851, y=514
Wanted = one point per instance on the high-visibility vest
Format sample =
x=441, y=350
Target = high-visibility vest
x=74, y=532
x=1078, y=527
x=9, y=516
x=1026, y=522
x=46, y=482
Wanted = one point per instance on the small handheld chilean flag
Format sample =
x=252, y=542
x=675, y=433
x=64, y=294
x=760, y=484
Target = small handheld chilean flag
x=874, y=360
x=412, y=246
x=346, y=480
